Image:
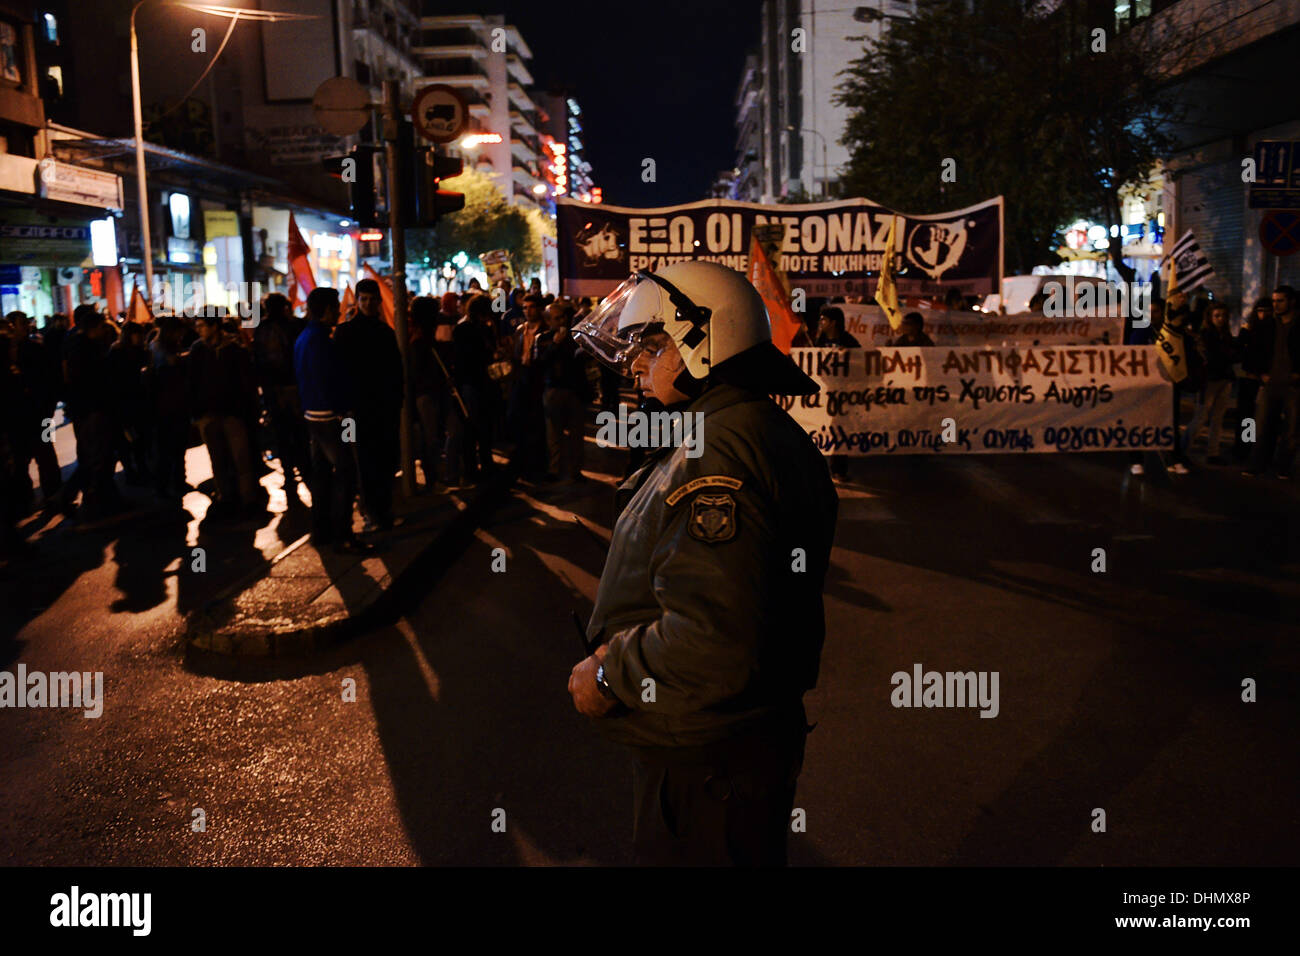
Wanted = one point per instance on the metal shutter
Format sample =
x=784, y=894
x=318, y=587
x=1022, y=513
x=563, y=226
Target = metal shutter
x=1212, y=203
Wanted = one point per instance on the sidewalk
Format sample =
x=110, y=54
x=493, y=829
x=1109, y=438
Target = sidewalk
x=304, y=600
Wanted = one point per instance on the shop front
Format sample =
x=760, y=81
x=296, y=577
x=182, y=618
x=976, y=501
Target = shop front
x=331, y=246
x=53, y=263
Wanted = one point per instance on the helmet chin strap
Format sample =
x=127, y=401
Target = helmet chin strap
x=689, y=385
x=687, y=311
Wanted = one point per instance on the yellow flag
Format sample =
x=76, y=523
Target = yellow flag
x=1169, y=340
x=886, y=290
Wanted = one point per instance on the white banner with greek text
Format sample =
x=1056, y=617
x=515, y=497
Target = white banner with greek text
x=969, y=400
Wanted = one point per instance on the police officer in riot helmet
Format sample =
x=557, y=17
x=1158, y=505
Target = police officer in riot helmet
x=708, y=624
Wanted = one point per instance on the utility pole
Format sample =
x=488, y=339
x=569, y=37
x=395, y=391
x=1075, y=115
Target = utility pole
x=146, y=239
x=397, y=242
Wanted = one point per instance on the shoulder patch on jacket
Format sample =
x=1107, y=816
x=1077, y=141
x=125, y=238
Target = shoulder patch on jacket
x=713, y=518
x=706, y=481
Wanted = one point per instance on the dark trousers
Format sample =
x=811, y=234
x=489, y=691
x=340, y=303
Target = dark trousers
x=1276, y=407
x=333, y=482
x=428, y=407
x=30, y=445
x=1247, y=390
x=170, y=444
x=456, y=447
x=231, y=454
x=289, y=431
x=565, y=415
x=10, y=539
x=378, y=451
x=725, y=805
x=94, y=432
x=480, y=400
x=526, y=420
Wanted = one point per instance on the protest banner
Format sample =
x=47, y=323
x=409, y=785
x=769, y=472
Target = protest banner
x=868, y=324
x=970, y=400
x=498, y=266
x=829, y=248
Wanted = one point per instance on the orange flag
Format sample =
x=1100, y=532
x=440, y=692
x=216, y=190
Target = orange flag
x=348, y=303
x=385, y=294
x=770, y=285
x=299, y=265
x=138, y=310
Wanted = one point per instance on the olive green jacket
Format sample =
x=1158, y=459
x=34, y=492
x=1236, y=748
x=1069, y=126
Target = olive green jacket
x=711, y=596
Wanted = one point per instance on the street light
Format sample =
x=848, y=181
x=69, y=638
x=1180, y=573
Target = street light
x=475, y=140
x=235, y=14
x=825, y=165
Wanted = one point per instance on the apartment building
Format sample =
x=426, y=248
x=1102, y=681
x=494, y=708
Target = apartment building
x=486, y=59
x=788, y=125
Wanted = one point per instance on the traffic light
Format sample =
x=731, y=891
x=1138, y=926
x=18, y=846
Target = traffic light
x=370, y=243
x=433, y=202
x=357, y=171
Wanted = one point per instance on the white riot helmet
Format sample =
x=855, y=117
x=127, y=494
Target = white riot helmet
x=713, y=315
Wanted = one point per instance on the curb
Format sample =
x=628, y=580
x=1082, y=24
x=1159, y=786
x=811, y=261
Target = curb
x=204, y=639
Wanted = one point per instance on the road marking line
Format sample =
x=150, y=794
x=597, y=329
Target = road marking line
x=426, y=670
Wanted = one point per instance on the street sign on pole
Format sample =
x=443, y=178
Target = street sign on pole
x=439, y=113
x=1279, y=232
x=341, y=105
x=1277, y=175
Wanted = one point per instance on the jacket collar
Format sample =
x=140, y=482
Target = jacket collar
x=722, y=396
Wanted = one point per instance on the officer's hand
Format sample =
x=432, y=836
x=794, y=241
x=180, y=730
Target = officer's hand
x=587, y=698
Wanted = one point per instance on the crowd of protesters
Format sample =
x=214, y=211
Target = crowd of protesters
x=321, y=393
x=1250, y=376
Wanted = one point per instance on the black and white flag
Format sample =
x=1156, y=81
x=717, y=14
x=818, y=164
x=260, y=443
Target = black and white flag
x=1191, y=267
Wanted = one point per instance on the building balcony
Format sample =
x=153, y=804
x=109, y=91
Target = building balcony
x=524, y=151
x=470, y=21
x=475, y=51
x=520, y=98
x=517, y=69
x=476, y=81
x=521, y=124
x=526, y=179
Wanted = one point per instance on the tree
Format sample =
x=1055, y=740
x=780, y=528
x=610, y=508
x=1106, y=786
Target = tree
x=966, y=101
x=529, y=259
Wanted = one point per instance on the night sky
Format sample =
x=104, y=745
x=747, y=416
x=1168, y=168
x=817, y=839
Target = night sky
x=653, y=80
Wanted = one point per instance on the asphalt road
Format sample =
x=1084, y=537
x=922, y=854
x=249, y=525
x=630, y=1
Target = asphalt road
x=1118, y=691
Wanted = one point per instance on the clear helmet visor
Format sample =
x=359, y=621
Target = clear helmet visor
x=600, y=333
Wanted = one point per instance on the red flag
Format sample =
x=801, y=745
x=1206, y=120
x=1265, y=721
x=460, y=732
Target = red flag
x=349, y=302
x=765, y=278
x=138, y=310
x=299, y=265
x=385, y=295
